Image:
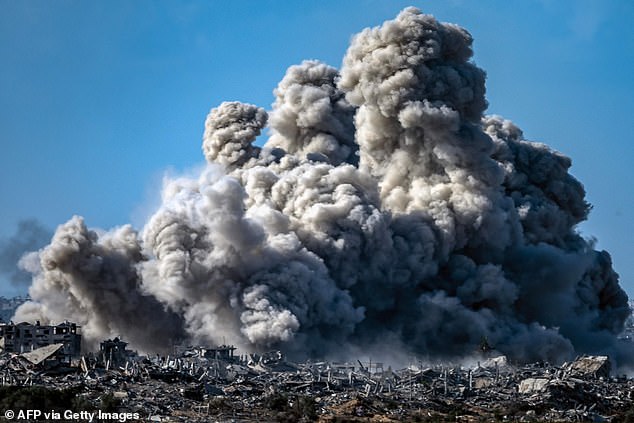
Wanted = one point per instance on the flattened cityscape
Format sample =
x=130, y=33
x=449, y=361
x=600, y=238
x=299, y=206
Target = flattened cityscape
x=389, y=253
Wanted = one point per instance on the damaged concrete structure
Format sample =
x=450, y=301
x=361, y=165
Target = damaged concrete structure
x=25, y=337
x=114, y=352
x=53, y=352
x=590, y=365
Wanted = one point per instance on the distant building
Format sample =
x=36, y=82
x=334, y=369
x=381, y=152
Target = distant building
x=24, y=337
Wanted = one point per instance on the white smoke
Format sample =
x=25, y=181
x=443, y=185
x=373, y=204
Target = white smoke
x=384, y=206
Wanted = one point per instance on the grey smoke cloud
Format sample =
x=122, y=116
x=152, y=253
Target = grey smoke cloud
x=92, y=279
x=230, y=130
x=383, y=206
x=311, y=117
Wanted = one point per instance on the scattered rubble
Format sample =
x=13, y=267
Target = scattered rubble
x=213, y=384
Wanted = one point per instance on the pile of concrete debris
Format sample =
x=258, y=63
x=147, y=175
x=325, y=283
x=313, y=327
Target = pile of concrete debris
x=212, y=384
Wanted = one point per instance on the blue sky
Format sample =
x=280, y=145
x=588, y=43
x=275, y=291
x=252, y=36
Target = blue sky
x=99, y=99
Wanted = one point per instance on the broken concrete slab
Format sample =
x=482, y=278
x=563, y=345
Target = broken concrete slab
x=590, y=366
x=532, y=385
x=38, y=355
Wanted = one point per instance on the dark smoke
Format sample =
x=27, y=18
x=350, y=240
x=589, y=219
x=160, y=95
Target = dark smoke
x=384, y=207
x=30, y=235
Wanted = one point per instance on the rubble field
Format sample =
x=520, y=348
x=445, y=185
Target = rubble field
x=194, y=386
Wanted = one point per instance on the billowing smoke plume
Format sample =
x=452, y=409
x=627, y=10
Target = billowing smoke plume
x=384, y=207
x=92, y=279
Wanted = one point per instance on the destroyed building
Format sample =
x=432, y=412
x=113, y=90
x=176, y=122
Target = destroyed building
x=223, y=352
x=25, y=337
x=114, y=352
